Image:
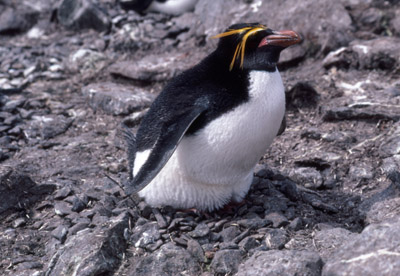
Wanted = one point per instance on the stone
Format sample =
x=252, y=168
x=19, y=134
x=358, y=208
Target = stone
x=383, y=210
x=201, y=230
x=308, y=177
x=282, y=262
x=229, y=233
x=144, y=235
x=168, y=260
x=116, y=99
x=391, y=145
x=82, y=14
x=276, y=238
x=87, y=61
x=92, y=251
x=195, y=249
x=376, y=248
x=16, y=21
x=226, y=261
x=19, y=222
x=328, y=240
x=296, y=224
x=78, y=227
x=249, y=243
x=152, y=68
x=62, y=208
x=254, y=223
x=361, y=171
x=278, y=220
x=60, y=233
x=63, y=193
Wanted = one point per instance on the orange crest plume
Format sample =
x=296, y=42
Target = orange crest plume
x=240, y=48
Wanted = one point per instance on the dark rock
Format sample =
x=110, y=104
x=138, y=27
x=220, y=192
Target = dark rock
x=228, y=245
x=351, y=113
x=12, y=105
x=254, y=223
x=289, y=189
x=168, y=260
x=375, y=249
x=79, y=203
x=18, y=191
x=278, y=220
x=328, y=240
x=226, y=262
x=92, y=252
x=15, y=21
x=116, y=99
x=249, y=243
x=201, y=230
x=229, y=233
x=162, y=223
x=296, y=224
x=242, y=236
x=144, y=235
x=60, y=233
x=82, y=14
x=302, y=95
x=285, y=262
x=311, y=133
x=276, y=238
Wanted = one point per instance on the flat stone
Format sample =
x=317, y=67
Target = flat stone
x=168, y=260
x=116, y=99
x=282, y=262
x=229, y=233
x=201, y=230
x=62, y=208
x=276, y=238
x=376, y=248
x=278, y=220
x=226, y=261
x=60, y=233
x=145, y=234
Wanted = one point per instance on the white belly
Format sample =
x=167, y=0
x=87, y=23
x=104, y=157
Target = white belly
x=216, y=164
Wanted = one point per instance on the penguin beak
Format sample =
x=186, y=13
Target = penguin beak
x=282, y=38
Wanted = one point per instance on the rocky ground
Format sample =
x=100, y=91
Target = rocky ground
x=326, y=197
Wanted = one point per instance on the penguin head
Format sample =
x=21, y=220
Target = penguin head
x=253, y=46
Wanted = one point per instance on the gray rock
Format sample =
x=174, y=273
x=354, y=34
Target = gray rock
x=278, y=220
x=152, y=68
x=328, y=240
x=15, y=21
x=351, y=113
x=60, y=233
x=56, y=126
x=144, y=235
x=391, y=145
x=391, y=164
x=82, y=14
x=296, y=224
x=361, y=171
x=87, y=61
x=375, y=250
x=195, y=249
x=116, y=99
x=377, y=53
x=229, y=233
x=168, y=260
x=285, y=262
x=254, y=223
x=78, y=227
x=201, y=230
x=249, y=243
x=226, y=262
x=63, y=193
x=92, y=252
x=383, y=210
x=62, y=208
x=309, y=177
x=276, y=238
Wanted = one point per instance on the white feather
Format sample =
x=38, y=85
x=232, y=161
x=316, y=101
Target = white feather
x=140, y=158
x=215, y=165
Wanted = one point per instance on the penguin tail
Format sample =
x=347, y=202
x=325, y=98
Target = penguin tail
x=130, y=140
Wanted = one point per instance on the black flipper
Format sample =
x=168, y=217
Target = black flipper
x=169, y=137
x=131, y=143
x=283, y=126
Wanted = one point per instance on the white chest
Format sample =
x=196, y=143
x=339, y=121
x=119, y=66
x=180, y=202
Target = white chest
x=230, y=146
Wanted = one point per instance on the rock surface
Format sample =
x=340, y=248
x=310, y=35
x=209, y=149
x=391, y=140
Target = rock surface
x=325, y=197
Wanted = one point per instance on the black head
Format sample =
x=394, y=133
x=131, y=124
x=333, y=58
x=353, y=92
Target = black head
x=253, y=46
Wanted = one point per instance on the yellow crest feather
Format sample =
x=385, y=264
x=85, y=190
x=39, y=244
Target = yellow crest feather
x=240, y=48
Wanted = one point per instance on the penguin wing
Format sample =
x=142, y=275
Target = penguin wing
x=169, y=137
